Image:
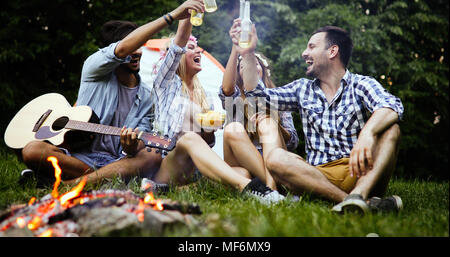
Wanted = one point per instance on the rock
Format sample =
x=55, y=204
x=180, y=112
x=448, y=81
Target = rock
x=156, y=222
x=108, y=222
x=17, y=232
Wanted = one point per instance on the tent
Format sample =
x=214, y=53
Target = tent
x=210, y=77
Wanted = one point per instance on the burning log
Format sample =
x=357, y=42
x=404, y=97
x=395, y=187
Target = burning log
x=96, y=213
x=78, y=213
x=81, y=210
x=182, y=207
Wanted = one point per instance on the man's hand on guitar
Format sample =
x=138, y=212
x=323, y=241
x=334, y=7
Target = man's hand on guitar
x=129, y=140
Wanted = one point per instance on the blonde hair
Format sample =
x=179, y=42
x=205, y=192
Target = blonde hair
x=199, y=95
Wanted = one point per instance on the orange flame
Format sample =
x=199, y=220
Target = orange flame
x=46, y=233
x=32, y=200
x=73, y=193
x=140, y=211
x=149, y=198
x=158, y=206
x=20, y=222
x=54, y=162
x=34, y=223
x=46, y=207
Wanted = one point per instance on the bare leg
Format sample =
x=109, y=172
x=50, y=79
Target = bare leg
x=270, y=139
x=291, y=170
x=192, y=150
x=385, y=157
x=177, y=167
x=239, y=151
x=35, y=156
x=143, y=164
x=244, y=172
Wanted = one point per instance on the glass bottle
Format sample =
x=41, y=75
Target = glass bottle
x=246, y=26
x=241, y=9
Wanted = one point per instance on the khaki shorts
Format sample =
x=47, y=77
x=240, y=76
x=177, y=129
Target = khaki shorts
x=338, y=173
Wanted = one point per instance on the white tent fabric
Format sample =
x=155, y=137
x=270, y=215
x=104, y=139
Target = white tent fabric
x=210, y=77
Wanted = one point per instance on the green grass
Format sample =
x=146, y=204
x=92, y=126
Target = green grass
x=228, y=213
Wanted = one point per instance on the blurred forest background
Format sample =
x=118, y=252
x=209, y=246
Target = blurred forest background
x=401, y=43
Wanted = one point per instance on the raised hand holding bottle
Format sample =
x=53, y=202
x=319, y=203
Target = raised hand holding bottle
x=246, y=27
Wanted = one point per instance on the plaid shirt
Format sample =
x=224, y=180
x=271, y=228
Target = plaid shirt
x=285, y=120
x=331, y=129
x=170, y=104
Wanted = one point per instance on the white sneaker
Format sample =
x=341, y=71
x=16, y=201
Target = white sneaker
x=256, y=188
x=352, y=203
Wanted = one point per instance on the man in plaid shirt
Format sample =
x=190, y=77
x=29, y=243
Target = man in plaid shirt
x=349, y=122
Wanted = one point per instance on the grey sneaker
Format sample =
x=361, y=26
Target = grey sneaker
x=388, y=204
x=148, y=185
x=256, y=188
x=352, y=203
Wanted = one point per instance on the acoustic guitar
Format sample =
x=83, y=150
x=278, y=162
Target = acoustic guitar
x=51, y=118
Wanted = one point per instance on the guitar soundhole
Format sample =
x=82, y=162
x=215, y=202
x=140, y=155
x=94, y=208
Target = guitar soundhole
x=60, y=123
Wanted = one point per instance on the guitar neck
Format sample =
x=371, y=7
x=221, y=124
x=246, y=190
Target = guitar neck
x=93, y=127
x=154, y=139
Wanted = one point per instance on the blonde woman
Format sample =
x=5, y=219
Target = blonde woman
x=178, y=97
x=250, y=138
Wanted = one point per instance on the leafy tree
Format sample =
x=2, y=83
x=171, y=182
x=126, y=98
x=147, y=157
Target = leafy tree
x=44, y=44
x=401, y=43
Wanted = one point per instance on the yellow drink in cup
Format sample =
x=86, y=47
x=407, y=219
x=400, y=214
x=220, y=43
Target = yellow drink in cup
x=196, y=18
x=211, y=119
x=210, y=5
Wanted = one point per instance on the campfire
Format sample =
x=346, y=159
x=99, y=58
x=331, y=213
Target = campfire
x=78, y=213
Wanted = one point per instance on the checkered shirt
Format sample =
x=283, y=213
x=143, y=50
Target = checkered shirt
x=170, y=104
x=331, y=129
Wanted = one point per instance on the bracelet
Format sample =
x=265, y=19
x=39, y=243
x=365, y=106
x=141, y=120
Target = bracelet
x=167, y=20
x=170, y=17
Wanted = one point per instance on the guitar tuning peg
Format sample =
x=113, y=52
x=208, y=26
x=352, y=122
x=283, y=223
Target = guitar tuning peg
x=157, y=150
x=149, y=149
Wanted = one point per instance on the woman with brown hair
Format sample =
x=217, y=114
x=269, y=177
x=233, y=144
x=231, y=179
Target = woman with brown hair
x=179, y=97
x=254, y=133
